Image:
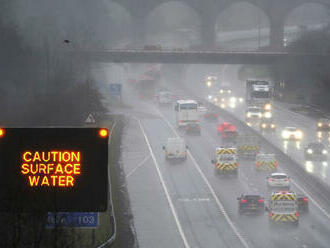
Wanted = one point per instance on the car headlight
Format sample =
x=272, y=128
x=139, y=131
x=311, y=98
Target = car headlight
x=309, y=151
x=325, y=163
x=215, y=99
x=272, y=125
x=249, y=124
x=209, y=83
x=222, y=105
x=232, y=99
x=285, y=134
x=268, y=115
x=268, y=106
x=259, y=115
x=319, y=124
x=209, y=97
x=248, y=114
x=221, y=91
x=324, y=151
x=263, y=125
x=299, y=134
x=241, y=100
x=223, y=99
x=229, y=91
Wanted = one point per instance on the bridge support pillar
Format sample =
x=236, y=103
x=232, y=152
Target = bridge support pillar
x=276, y=34
x=208, y=34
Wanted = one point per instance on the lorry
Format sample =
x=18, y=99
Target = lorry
x=186, y=111
x=259, y=93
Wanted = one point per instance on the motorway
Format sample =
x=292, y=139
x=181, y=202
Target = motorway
x=188, y=205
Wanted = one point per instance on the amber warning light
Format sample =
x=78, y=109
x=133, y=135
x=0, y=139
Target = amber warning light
x=103, y=132
x=2, y=132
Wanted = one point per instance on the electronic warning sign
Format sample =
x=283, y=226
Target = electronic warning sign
x=54, y=169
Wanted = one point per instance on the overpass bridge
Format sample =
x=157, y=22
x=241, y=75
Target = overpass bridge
x=196, y=57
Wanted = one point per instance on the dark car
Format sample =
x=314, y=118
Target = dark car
x=323, y=125
x=210, y=115
x=267, y=125
x=229, y=137
x=251, y=204
x=226, y=126
x=193, y=128
x=316, y=152
x=303, y=205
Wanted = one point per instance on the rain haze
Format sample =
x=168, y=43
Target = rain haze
x=156, y=123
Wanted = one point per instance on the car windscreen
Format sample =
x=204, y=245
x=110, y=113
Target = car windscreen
x=186, y=106
x=279, y=176
x=261, y=94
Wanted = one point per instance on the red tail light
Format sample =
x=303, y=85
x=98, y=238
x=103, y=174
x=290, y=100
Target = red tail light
x=232, y=128
x=261, y=200
x=286, y=179
x=297, y=214
x=215, y=115
x=181, y=121
x=270, y=179
x=258, y=164
x=270, y=214
x=275, y=164
x=243, y=201
x=220, y=128
x=305, y=199
x=185, y=153
x=166, y=153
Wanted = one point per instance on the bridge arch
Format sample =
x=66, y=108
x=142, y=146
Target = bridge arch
x=305, y=16
x=242, y=19
x=172, y=24
x=119, y=23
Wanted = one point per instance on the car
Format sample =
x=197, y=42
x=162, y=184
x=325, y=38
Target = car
x=201, y=110
x=250, y=204
x=323, y=125
x=225, y=90
x=229, y=137
x=267, y=125
x=303, y=205
x=175, y=149
x=254, y=112
x=292, y=133
x=278, y=180
x=225, y=126
x=316, y=152
x=210, y=115
x=193, y=128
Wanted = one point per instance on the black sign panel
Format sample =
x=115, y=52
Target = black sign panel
x=54, y=169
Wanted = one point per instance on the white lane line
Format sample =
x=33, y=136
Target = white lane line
x=138, y=166
x=221, y=207
x=314, y=201
x=169, y=200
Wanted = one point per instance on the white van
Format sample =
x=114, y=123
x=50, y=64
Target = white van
x=186, y=112
x=175, y=148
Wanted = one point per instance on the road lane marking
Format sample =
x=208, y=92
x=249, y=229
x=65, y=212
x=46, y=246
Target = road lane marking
x=138, y=166
x=217, y=200
x=169, y=200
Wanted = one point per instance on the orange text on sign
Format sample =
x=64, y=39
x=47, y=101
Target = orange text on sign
x=51, y=168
